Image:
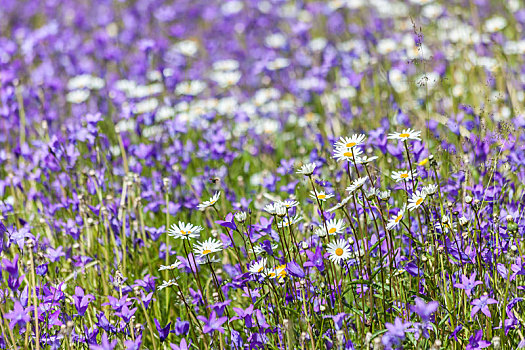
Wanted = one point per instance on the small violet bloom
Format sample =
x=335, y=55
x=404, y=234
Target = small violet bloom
x=483, y=305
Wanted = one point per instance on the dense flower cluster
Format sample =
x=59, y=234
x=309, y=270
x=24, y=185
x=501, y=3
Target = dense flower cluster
x=262, y=174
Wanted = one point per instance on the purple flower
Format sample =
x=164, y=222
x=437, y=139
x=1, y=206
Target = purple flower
x=163, y=332
x=245, y=314
x=82, y=301
x=181, y=327
x=19, y=316
x=133, y=345
x=295, y=269
x=118, y=304
x=423, y=309
x=475, y=342
x=213, y=323
x=315, y=259
x=228, y=222
x=183, y=345
x=468, y=283
x=104, y=344
x=126, y=313
x=11, y=266
x=483, y=305
x=395, y=333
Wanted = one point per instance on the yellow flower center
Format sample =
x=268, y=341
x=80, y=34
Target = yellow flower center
x=212, y=202
x=423, y=162
x=332, y=230
x=351, y=144
x=419, y=201
x=339, y=251
x=404, y=135
x=260, y=269
x=321, y=196
x=399, y=217
x=206, y=251
x=183, y=232
x=403, y=176
x=347, y=154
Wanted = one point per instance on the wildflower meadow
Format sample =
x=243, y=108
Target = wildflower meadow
x=262, y=174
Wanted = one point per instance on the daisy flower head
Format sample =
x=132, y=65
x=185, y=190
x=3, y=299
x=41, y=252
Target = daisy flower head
x=321, y=195
x=258, y=249
x=271, y=208
x=257, y=267
x=278, y=272
x=405, y=135
x=173, y=266
x=184, y=231
x=365, y=159
x=340, y=204
x=289, y=203
x=280, y=210
x=396, y=219
x=166, y=284
x=339, y=251
x=403, y=175
x=209, y=203
x=430, y=189
x=335, y=226
x=240, y=216
x=289, y=221
x=210, y=246
x=416, y=200
x=306, y=169
x=348, y=154
x=349, y=142
x=356, y=184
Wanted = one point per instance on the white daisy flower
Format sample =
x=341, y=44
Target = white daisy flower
x=77, y=96
x=289, y=203
x=210, y=202
x=190, y=88
x=212, y=245
x=339, y=251
x=257, y=267
x=365, y=159
x=320, y=231
x=321, y=195
x=287, y=222
x=258, y=249
x=207, y=259
x=184, y=231
x=396, y=219
x=335, y=226
x=169, y=283
x=430, y=189
x=240, y=216
x=280, y=210
x=416, y=200
x=495, y=24
x=271, y=208
x=306, y=169
x=403, y=175
x=348, y=154
x=225, y=65
x=340, y=204
x=170, y=267
x=356, y=184
x=278, y=272
x=385, y=195
x=407, y=134
x=349, y=142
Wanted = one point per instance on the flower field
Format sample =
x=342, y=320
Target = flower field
x=262, y=174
